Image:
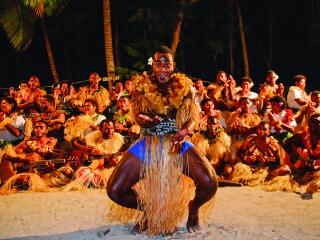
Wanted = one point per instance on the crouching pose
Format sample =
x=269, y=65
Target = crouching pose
x=164, y=108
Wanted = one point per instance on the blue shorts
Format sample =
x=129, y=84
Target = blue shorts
x=139, y=149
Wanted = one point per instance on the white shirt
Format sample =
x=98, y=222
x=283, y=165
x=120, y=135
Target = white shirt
x=250, y=95
x=293, y=94
x=18, y=122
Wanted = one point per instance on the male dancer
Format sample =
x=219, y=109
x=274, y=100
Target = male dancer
x=164, y=93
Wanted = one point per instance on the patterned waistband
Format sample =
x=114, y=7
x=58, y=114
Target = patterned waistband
x=163, y=128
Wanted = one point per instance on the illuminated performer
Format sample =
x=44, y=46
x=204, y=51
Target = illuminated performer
x=164, y=106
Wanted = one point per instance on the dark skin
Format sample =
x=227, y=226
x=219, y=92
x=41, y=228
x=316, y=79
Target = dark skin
x=296, y=141
x=6, y=108
x=40, y=130
x=107, y=130
x=195, y=165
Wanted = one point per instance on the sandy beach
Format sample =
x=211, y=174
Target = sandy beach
x=238, y=213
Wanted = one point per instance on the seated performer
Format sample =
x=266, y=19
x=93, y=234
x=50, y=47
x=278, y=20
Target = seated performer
x=84, y=123
x=54, y=118
x=304, y=147
x=303, y=116
x=273, y=89
x=124, y=121
x=246, y=85
x=240, y=124
x=261, y=150
x=104, y=143
x=29, y=151
x=94, y=91
x=281, y=119
x=63, y=94
x=33, y=94
x=201, y=92
x=12, y=125
x=214, y=143
x=222, y=92
x=163, y=106
x=207, y=107
x=297, y=96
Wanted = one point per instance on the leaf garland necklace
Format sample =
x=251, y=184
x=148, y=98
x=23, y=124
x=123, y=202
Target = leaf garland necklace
x=160, y=103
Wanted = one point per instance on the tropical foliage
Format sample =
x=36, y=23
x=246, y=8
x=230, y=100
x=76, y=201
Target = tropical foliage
x=18, y=22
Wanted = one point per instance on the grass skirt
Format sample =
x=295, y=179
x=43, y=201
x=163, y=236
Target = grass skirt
x=24, y=181
x=86, y=177
x=163, y=191
x=257, y=176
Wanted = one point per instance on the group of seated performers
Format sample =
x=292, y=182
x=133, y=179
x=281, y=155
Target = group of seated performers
x=74, y=136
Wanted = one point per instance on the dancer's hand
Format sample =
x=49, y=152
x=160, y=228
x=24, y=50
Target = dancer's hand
x=180, y=136
x=147, y=121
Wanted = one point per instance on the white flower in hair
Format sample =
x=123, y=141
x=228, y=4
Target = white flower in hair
x=150, y=61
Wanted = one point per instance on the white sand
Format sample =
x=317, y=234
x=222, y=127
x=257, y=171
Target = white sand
x=238, y=213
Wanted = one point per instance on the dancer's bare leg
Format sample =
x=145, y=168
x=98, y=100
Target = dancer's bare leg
x=197, y=167
x=119, y=187
x=123, y=177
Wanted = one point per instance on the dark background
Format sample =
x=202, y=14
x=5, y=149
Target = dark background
x=76, y=35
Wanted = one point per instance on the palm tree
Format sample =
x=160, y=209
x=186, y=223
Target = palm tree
x=230, y=6
x=18, y=18
x=243, y=41
x=177, y=30
x=108, y=48
x=17, y=21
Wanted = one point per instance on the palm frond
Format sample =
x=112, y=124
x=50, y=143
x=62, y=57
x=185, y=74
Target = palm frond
x=46, y=7
x=18, y=23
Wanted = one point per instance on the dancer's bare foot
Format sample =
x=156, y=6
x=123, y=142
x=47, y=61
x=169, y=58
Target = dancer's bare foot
x=193, y=219
x=140, y=226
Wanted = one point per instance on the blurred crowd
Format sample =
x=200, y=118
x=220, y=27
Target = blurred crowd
x=249, y=137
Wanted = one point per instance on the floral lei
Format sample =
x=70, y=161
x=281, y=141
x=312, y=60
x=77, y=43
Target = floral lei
x=179, y=88
x=288, y=116
x=36, y=146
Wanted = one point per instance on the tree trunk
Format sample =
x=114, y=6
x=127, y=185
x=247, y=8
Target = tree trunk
x=66, y=55
x=49, y=52
x=243, y=41
x=270, y=46
x=108, y=41
x=177, y=30
x=230, y=8
x=116, y=34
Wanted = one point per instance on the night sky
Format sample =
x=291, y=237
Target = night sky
x=76, y=36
